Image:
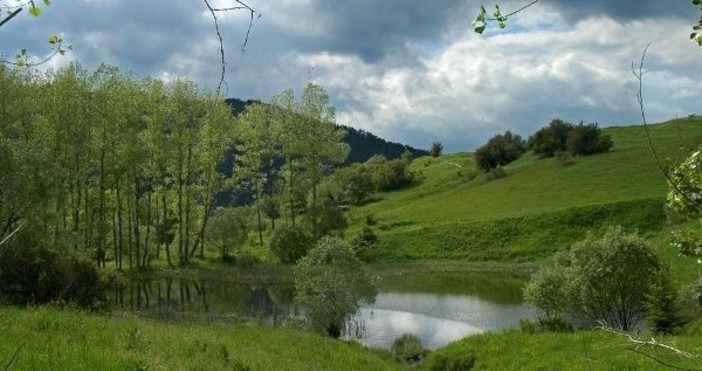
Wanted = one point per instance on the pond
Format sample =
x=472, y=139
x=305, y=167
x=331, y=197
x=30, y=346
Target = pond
x=437, y=307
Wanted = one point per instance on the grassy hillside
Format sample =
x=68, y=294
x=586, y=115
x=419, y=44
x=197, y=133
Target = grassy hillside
x=582, y=350
x=48, y=339
x=454, y=212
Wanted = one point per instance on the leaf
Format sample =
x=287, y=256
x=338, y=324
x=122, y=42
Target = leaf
x=35, y=11
x=47, y=2
x=480, y=29
x=53, y=39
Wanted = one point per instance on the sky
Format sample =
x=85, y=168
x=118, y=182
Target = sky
x=410, y=71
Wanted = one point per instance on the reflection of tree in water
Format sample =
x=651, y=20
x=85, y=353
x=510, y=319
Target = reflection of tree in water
x=194, y=299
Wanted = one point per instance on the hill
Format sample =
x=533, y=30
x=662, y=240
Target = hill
x=453, y=212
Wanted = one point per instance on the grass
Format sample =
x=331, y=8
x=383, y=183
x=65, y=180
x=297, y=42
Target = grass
x=51, y=339
x=582, y=350
x=453, y=213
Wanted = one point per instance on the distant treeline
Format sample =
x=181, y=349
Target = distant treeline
x=363, y=144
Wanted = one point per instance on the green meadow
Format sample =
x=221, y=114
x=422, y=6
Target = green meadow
x=452, y=218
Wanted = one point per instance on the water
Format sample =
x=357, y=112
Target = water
x=439, y=308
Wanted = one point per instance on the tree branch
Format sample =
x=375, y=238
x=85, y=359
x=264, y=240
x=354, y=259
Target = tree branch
x=505, y=16
x=12, y=15
x=639, y=73
x=214, y=11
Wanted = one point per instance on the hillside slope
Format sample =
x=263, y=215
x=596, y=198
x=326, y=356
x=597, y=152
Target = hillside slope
x=453, y=212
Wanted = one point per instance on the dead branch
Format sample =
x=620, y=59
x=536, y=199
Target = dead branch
x=640, y=342
x=214, y=11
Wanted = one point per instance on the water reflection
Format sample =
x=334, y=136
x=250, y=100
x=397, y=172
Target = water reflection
x=439, y=308
x=436, y=319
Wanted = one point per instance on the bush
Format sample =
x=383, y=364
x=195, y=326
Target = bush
x=550, y=139
x=436, y=149
x=290, y=243
x=616, y=279
x=330, y=284
x=578, y=140
x=544, y=325
x=496, y=173
x=408, y=348
x=41, y=275
x=499, y=150
x=584, y=140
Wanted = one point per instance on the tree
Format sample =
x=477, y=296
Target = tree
x=436, y=149
x=587, y=139
x=685, y=197
x=550, y=139
x=290, y=243
x=499, y=150
x=228, y=230
x=330, y=283
x=615, y=279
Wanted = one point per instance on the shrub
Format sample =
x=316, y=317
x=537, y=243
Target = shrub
x=290, y=243
x=408, y=348
x=496, y=173
x=330, y=284
x=544, y=325
x=436, y=149
x=578, y=140
x=550, y=139
x=610, y=279
x=499, y=150
x=38, y=275
x=587, y=139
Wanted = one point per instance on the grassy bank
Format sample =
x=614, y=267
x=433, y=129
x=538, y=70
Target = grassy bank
x=49, y=339
x=583, y=350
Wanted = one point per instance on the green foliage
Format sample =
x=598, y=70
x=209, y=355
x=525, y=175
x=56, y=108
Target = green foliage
x=228, y=230
x=31, y=272
x=355, y=182
x=408, y=348
x=546, y=141
x=499, y=150
x=579, y=140
x=495, y=173
x=436, y=149
x=390, y=174
x=290, y=243
x=330, y=283
x=325, y=218
x=587, y=139
x=540, y=325
x=616, y=279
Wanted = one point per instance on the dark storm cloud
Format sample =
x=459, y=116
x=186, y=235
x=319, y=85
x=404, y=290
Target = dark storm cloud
x=623, y=10
x=372, y=29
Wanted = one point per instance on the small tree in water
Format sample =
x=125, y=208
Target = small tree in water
x=330, y=284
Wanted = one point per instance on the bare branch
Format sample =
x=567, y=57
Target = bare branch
x=505, y=16
x=214, y=11
x=639, y=73
x=652, y=343
x=12, y=15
